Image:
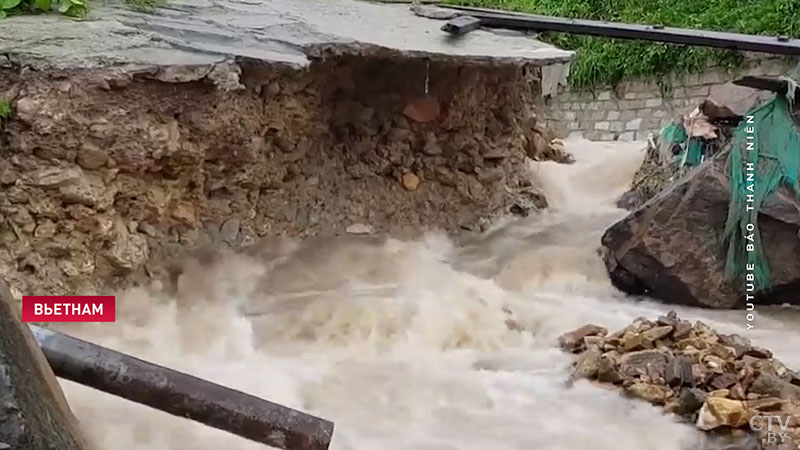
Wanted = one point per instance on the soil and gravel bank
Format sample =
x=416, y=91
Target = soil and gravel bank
x=107, y=172
x=101, y=175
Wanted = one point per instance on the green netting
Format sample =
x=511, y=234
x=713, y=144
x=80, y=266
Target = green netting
x=693, y=149
x=775, y=158
x=674, y=134
x=694, y=152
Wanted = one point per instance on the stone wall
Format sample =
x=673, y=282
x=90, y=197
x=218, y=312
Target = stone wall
x=636, y=108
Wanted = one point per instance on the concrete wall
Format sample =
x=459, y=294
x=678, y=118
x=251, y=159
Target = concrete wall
x=638, y=107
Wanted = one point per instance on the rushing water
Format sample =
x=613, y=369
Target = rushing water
x=405, y=345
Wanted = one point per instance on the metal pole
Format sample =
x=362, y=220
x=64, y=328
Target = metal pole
x=495, y=18
x=181, y=394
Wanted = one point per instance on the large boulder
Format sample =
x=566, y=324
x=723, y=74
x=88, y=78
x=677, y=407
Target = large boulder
x=671, y=247
x=34, y=414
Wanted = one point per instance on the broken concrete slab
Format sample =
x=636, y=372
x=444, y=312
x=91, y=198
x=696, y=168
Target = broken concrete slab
x=35, y=414
x=292, y=32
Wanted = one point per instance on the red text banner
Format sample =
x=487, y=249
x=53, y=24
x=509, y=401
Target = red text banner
x=74, y=308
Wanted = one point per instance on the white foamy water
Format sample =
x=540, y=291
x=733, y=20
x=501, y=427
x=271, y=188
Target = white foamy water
x=405, y=345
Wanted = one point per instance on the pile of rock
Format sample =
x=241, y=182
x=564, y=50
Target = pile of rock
x=713, y=380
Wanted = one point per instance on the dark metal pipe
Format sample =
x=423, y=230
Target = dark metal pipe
x=461, y=25
x=181, y=394
x=703, y=38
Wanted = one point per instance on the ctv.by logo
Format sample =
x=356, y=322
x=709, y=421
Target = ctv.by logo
x=771, y=434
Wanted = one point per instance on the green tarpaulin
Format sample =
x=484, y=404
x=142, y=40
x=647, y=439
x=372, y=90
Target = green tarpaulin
x=768, y=139
x=692, y=149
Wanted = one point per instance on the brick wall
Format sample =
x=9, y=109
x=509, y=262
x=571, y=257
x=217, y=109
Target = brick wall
x=638, y=107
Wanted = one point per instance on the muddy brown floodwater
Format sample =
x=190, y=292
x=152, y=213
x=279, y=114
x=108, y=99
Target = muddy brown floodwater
x=405, y=345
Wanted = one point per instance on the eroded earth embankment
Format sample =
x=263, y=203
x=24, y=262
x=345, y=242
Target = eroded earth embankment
x=105, y=174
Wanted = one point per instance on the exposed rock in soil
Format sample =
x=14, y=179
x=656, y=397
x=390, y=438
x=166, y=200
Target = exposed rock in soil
x=34, y=414
x=100, y=182
x=717, y=382
x=670, y=248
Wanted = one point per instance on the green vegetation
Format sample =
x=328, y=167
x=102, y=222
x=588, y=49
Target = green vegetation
x=71, y=8
x=6, y=110
x=603, y=61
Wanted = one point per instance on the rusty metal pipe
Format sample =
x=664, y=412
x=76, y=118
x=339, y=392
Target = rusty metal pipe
x=181, y=394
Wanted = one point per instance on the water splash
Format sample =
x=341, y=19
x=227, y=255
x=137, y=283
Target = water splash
x=408, y=345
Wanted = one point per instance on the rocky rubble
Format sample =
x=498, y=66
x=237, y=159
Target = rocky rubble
x=715, y=381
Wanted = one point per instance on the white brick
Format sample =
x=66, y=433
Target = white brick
x=597, y=115
x=592, y=135
x=573, y=126
x=693, y=79
x=605, y=95
x=712, y=77
x=634, y=124
x=631, y=104
x=653, y=102
x=608, y=137
x=613, y=115
x=628, y=136
x=576, y=134
x=570, y=115
x=638, y=86
x=698, y=91
x=602, y=125
x=617, y=126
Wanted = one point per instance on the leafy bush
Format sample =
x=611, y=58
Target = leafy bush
x=72, y=8
x=604, y=61
x=6, y=110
